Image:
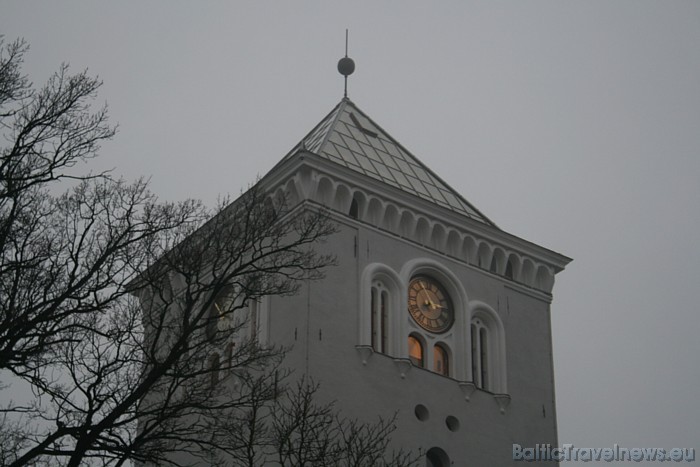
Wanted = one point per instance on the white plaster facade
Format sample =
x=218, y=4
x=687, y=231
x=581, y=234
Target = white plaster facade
x=389, y=231
x=387, y=235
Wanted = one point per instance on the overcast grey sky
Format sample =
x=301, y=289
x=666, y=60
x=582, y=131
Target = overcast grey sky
x=575, y=125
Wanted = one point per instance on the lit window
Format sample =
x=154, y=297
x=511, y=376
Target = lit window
x=441, y=362
x=415, y=351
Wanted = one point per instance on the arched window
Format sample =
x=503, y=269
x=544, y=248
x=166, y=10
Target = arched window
x=230, y=352
x=380, y=317
x=441, y=362
x=378, y=320
x=487, y=361
x=415, y=351
x=214, y=368
x=480, y=354
x=253, y=306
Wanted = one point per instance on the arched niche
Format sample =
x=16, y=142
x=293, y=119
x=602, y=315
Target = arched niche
x=469, y=250
x=544, y=280
x=454, y=243
x=375, y=212
x=391, y=218
x=407, y=224
x=342, y=198
x=527, y=272
x=484, y=255
x=498, y=261
x=437, y=238
x=422, y=231
x=324, y=191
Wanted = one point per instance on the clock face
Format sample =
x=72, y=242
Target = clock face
x=429, y=305
x=220, y=312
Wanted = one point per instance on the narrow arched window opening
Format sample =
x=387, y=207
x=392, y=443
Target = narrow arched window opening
x=480, y=354
x=373, y=318
x=229, y=356
x=483, y=346
x=214, y=369
x=475, y=355
x=253, y=307
x=441, y=364
x=384, y=328
x=379, y=317
x=415, y=351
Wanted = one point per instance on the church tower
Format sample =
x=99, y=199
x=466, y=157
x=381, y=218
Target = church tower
x=432, y=312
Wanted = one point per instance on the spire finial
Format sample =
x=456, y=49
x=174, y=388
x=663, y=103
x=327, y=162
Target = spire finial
x=346, y=65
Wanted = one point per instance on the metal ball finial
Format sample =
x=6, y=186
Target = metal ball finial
x=346, y=65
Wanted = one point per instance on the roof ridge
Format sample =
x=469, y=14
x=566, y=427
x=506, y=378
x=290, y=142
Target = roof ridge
x=421, y=163
x=340, y=107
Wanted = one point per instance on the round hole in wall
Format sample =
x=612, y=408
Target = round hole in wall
x=422, y=412
x=452, y=423
x=436, y=457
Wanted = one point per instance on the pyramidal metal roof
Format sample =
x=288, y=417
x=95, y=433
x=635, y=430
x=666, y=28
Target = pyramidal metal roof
x=348, y=137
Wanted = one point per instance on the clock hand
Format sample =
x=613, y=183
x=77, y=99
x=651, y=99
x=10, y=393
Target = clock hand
x=430, y=301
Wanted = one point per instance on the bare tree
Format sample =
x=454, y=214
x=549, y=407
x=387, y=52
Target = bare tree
x=288, y=426
x=307, y=433
x=118, y=312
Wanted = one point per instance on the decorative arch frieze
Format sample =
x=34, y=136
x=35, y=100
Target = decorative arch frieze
x=407, y=223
